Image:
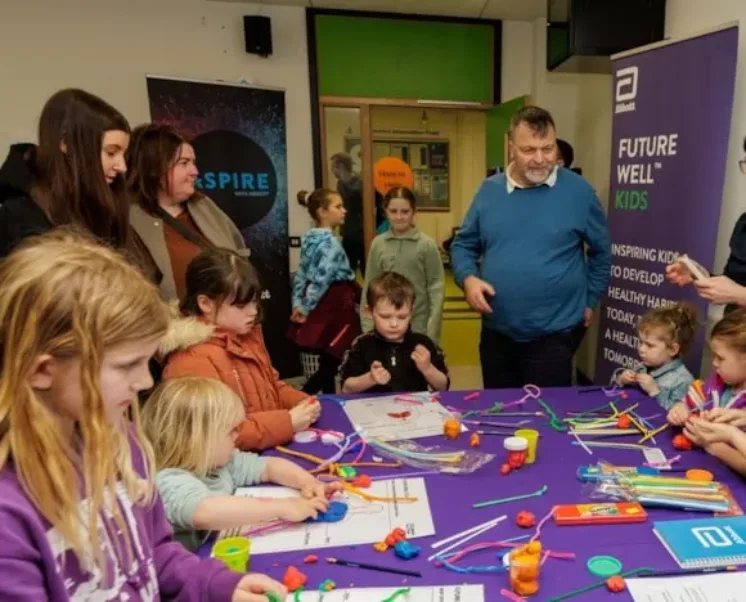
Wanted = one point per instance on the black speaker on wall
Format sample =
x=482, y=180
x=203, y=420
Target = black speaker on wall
x=257, y=33
x=583, y=34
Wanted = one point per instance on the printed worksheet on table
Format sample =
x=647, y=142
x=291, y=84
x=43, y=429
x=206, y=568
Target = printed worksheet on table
x=717, y=587
x=365, y=522
x=450, y=593
x=397, y=417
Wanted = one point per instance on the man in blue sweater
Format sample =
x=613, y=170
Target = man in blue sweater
x=542, y=238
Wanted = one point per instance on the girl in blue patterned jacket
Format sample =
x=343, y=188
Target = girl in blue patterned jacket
x=325, y=294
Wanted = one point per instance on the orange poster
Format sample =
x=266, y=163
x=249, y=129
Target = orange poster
x=390, y=172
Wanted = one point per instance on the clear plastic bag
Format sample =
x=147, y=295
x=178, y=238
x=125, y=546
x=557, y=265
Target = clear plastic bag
x=437, y=457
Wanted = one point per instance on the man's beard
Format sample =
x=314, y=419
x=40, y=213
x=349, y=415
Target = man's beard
x=537, y=177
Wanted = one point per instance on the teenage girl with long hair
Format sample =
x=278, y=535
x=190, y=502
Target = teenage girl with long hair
x=74, y=177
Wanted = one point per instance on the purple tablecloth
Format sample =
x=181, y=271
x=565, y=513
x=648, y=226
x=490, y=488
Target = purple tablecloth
x=451, y=499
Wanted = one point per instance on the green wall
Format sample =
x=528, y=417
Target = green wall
x=392, y=58
x=498, y=124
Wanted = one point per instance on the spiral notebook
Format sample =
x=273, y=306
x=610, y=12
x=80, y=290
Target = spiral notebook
x=704, y=543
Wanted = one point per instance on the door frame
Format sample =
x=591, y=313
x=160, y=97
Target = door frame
x=366, y=106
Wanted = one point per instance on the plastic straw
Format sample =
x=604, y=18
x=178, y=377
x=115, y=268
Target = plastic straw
x=467, y=538
x=468, y=531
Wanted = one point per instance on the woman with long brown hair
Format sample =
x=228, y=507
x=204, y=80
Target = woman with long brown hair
x=75, y=176
x=174, y=221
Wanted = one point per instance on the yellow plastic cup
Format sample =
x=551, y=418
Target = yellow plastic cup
x=234, y=553
x=532, y=437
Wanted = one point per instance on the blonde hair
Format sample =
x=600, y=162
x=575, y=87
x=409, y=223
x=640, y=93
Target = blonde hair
x=732, y=330
x=678, y=323
x=64, y=295
x=185, y=417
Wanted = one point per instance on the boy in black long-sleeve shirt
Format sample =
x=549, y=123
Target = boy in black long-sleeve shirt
x=392, y=358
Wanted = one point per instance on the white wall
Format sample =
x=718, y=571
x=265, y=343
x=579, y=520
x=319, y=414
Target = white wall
x=107, y=47
x=684, y=18
x=581, y=107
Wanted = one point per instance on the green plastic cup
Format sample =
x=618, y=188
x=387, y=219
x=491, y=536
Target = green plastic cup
x=234, y=553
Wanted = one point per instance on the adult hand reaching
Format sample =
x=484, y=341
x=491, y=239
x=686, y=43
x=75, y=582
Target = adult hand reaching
x=476, y=291
x=721, y=290
x=678, y=274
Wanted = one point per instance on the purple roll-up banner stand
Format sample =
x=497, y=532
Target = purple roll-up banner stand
x=672, y=112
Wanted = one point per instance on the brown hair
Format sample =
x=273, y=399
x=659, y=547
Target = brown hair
x=732, y=329
x=678, y=322
x=319, y=199
x=153, y=149
x=222, y=275
x=342, y=159
x=539, y=120
x=395, y=288
x=400, y=192
x=70, y=185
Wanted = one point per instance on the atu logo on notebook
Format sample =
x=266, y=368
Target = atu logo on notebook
x=715, y=537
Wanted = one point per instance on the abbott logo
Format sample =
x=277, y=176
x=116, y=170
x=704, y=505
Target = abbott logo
x=626, y=89
x=712, y=537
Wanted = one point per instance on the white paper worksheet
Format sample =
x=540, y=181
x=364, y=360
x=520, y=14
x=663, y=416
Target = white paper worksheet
x=366, y=522
x=449, y=593
x=717, y=587
x=386, y=419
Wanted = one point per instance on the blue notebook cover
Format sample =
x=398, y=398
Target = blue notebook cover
x=705, y=542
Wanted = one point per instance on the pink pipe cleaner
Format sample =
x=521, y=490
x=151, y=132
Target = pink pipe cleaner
x=499, y=544
x=511, y=596
x=541, y=524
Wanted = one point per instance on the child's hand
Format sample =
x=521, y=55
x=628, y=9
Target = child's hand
x=298, y=316
x=647, y=383
x=316, y=488
x=726, y=416
x=303, y=415
x=298, y=509
x=380, y=375
x=678, y=414
x=253, y=586
x=627, y=377
x=705, y=433
x=421, y=357
x=315, y=407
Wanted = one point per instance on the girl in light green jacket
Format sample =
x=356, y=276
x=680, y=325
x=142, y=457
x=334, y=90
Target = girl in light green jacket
x=414, y=255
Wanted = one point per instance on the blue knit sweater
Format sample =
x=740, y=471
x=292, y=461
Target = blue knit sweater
x=323, y=262
x=532, y=244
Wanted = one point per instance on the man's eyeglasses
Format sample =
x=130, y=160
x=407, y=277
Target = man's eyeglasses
x=742, y=166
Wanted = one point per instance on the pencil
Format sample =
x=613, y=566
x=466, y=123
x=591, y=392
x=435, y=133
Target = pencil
x=373, y=567
x=681, y=572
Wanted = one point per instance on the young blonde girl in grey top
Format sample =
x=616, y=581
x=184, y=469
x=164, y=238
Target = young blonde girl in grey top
x=413, y=254
x=192, y=424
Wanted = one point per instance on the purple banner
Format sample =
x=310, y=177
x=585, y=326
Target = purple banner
x=672, y=113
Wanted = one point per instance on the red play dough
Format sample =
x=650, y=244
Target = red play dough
x=682, y=443
x=616, y=584
x=525, y=519
x=294, y=579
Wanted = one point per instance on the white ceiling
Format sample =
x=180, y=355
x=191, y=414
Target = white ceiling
x=522, y=10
